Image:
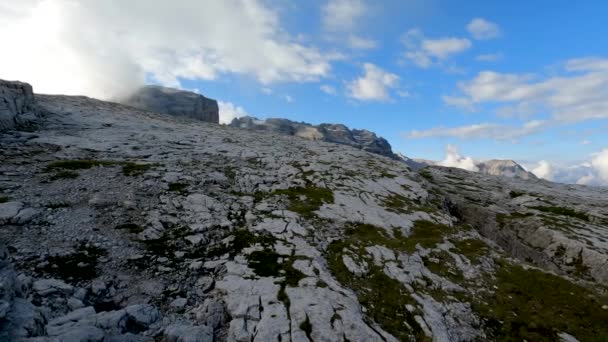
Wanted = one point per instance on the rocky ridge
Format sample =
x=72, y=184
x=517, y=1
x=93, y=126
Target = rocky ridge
x=336, y=133
x=126, y=225
x=174, y=102
x=494, y=167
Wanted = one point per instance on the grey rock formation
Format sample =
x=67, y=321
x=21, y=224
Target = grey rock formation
x=505, y=168
x=336, y=133
x=18, y=108
x=174, y=102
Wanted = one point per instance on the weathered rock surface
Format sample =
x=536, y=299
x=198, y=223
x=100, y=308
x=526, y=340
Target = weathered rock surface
x=336, y=133
x=174, y=102
x=18, y=108
x=127, y=225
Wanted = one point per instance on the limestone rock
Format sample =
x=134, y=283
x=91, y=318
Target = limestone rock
x=18, y=107
x=175, y=102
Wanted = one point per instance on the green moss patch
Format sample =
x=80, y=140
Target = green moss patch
x=515, y=194
x=306, y=200
x=397, y=204
x=563, y=211
x=536, y=306
x=473, y=249
x=383, y=297
x=133, y=169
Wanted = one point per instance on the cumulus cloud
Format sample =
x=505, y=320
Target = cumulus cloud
x=373, y=85
x=229, y=111
x=105, y=48
x=543, y=170
x=482, y=131
x=341, y=20
x=425, y=52
x=578, y=92
x=483, y=29
x=454, y=159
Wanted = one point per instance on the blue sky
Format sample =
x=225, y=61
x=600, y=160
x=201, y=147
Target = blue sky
x=522, y=80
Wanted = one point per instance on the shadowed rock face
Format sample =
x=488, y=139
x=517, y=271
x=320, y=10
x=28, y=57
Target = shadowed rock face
x=336, y=133
x=175, y=102
x=17, y=105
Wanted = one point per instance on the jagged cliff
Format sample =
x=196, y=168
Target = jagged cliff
x=127, y=225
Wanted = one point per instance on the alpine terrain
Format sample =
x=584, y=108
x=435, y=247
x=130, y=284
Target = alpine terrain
x=121, y=224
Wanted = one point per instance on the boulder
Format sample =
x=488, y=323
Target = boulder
x=175, y=102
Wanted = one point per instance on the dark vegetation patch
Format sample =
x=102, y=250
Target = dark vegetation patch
x=57, y=205
x=560, y=251
x=307, y=328
x=178, y=187
x=397, y=204
x=306, y=200
x=134, y=169
x=77, y=164
x=171, y=241
x=563, y=211
x=503, y=219
x=77, y=266
x=535, y=306
x=473, y=249
x=515, y=194
x=426, y=174
x=131, y=228
x=243, y=238
x=4, y=199
x=442, y=264
x=64, y=175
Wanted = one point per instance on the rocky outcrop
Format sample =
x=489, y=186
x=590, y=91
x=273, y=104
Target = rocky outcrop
x=336, y=133
x=174, y=102
x=505, y=168
x=18, y=108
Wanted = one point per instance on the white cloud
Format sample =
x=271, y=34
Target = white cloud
x=341, y=19
x=577, y=93
x=288, y=98
x=106, y=48
x=342, y=15
x=425, y=52
x=229, y=111
x=374, y=85
x=454, y=159
x=461, y=102
x=482, y=131
x=492, y=57
x=327, y=89
x=591, y=172
x=543, y=170
x=482, y=29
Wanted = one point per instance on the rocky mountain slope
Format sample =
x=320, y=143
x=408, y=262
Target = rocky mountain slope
x=174, y=102
x=494, y=167
x=336, y=133
x=125, y=225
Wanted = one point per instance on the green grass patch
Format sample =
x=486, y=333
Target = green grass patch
x=383, y=297
x=535, y=306
x=64, y=175
x=396, y=203
x=426, y=174
x=563, y=211
x=306, y=200
x=178, y=187
x=134, y=169
x=473, y=249
x=264, y=263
